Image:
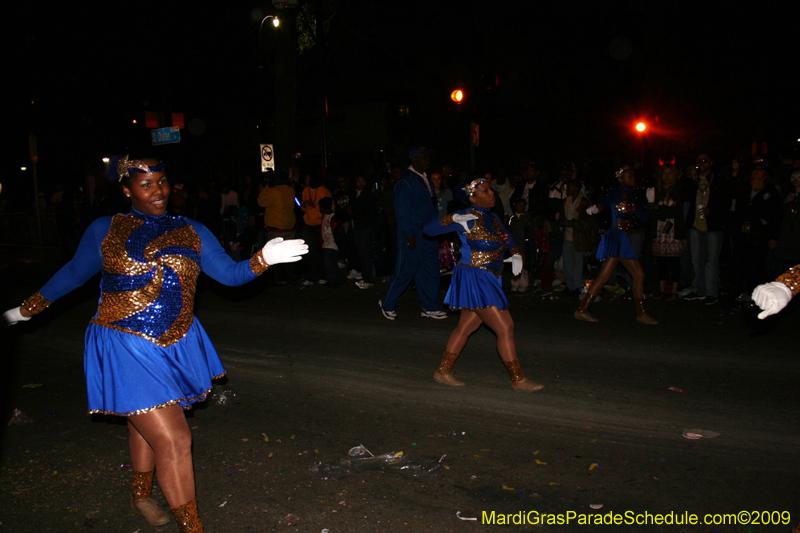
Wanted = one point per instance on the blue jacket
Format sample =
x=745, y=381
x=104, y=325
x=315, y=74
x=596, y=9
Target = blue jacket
x=413, y=205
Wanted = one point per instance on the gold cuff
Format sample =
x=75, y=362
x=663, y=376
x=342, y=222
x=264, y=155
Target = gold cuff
x=35, y=304
x=448, y=360
x=791, y=279
x=515, y=371
x=187, y=517
x=142, y=485
x=257, y=263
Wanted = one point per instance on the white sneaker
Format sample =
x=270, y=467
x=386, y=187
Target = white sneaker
x=341, y=264
x=353, y=274
x=322, y=281
x=364, y=285
x=436, y=315
x=686, y=292
x=390, y=315
x=306, y=283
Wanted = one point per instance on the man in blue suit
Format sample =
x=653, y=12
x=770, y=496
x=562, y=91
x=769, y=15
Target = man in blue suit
x=417, y=255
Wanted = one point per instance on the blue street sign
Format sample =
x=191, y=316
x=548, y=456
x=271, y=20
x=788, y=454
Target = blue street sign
x=166, y=135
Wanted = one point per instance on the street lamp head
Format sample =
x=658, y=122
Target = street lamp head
x=641, y=126
x=275, y=20
x=457, y=96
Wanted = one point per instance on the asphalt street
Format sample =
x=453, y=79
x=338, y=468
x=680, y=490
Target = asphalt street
x=316, y=371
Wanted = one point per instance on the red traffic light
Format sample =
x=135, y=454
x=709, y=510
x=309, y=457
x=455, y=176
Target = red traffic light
x=457, y=96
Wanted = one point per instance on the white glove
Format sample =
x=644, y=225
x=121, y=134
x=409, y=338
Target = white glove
x=279, y=251
x=592, y=210
x=771, y=297
x=12, y=316
x=651, y=195
x=516, y=264
x=463, y=219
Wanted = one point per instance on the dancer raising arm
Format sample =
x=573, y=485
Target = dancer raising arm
x=146, y=355
x=476, y=288
x=615, y=246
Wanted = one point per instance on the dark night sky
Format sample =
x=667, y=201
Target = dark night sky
x=572, y=76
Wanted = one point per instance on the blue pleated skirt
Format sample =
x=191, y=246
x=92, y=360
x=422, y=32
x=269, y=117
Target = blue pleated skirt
x=475, y=288
x=615, y=243
x=128, y=375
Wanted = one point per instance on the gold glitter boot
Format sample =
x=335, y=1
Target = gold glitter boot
x=582, y=313
x=188, y=520
x=444, y=374
x=142, y=503
x=518, y=380
x=642, y=316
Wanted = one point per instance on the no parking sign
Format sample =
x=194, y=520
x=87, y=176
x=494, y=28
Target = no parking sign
x=267, y=158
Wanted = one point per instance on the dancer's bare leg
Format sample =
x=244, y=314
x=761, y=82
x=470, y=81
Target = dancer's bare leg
x=603, y=276
x=503, y=326
x=607, y=268
x=635, y=268
x=467, y=324
x=166, y=432
x=143, y=458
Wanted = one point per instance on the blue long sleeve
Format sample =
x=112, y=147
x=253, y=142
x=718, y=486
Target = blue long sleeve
x=218, y=264
x=87, y=262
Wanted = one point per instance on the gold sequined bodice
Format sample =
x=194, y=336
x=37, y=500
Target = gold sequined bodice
x=150, y=270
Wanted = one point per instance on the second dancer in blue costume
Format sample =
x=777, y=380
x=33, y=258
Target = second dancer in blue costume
x=615, y=245
x=476, y=288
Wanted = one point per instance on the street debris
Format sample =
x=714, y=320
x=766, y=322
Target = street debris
x=387, y=462
x=695, y=434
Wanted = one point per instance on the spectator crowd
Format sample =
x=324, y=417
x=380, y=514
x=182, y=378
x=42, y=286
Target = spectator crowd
x=713, y=228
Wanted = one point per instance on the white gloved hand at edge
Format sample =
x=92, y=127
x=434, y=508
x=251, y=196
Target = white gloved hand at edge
x=771, y=297
x=12, y=316
x=592, y=210
x=463, y=219
x=279, y=251
x=516, y=264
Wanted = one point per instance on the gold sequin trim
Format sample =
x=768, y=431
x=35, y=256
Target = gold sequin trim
x=142, y=485
x=198, y=398
x=791, y=279
x=187, y=517
x=257, y=263
x=475, y=308
x=35, y=304
x=515, y=371
x=624, y=224
x=447, y=220
x=480, y=232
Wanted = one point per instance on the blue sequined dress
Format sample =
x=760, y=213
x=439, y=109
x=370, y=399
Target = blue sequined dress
x=477, y=277
x=625, y=214
x=144, y=348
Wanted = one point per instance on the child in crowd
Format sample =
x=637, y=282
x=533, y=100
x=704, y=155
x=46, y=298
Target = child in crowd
x=330, y=251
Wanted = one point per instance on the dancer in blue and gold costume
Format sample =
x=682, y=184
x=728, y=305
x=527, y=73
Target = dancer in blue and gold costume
x=615, y=246
x=476, y=288
x=146, y=355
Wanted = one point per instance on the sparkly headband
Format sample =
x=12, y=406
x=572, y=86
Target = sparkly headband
x=126, y=166
x=473, y=185
x=622, y=170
